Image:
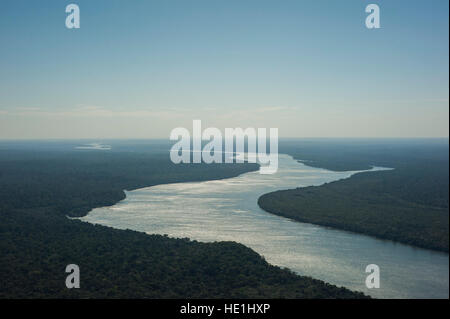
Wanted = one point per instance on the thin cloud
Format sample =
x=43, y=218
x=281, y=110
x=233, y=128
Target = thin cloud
x=96, y=111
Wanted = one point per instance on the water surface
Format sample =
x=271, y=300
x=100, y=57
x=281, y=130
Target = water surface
x=227, y=210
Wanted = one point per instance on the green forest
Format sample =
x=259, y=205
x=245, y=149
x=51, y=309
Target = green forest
x=408, y=204
x=41, y=186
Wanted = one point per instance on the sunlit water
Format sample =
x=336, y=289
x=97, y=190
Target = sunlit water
x=227, y=210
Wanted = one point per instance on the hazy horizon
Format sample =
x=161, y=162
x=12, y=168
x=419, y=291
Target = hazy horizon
x=345, y=139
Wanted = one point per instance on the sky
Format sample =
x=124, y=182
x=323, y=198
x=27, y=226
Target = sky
x=138, y=69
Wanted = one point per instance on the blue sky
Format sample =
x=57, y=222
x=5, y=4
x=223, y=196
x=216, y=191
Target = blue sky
x=141, y=68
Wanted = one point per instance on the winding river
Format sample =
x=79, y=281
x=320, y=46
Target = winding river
x=227, y=210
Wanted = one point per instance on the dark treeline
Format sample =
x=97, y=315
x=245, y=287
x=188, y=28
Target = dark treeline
x=76, y=181
x=39, y=188
x=408, y=204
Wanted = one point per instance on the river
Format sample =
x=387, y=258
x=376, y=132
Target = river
x=227, y=210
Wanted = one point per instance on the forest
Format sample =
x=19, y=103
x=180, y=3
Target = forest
x=42, y=184
x=408, y=204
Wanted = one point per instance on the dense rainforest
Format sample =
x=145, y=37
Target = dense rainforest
x=43, y=183
x=408, y=204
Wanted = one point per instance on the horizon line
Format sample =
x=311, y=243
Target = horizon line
x=162, y=138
